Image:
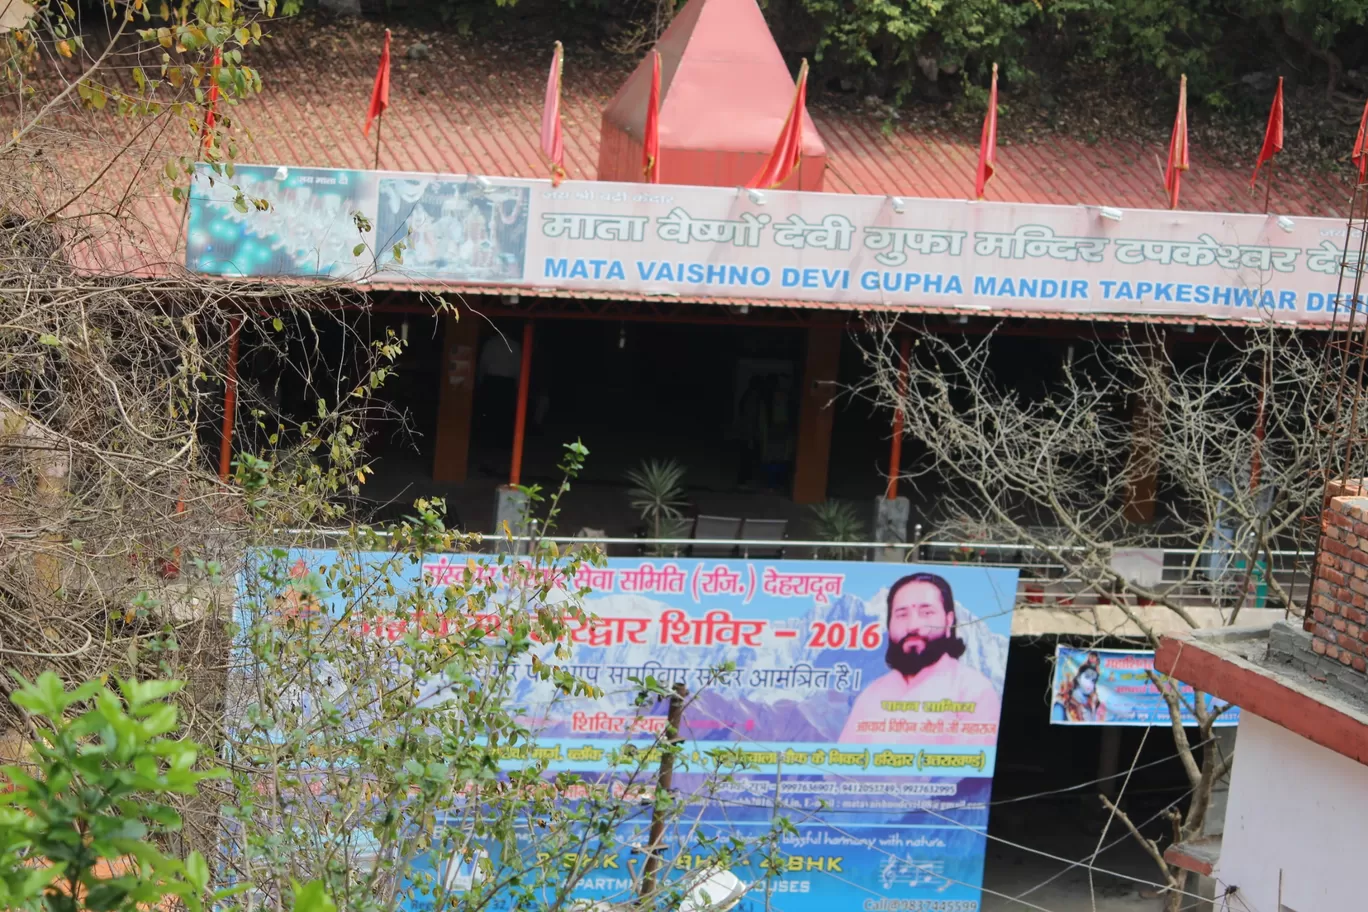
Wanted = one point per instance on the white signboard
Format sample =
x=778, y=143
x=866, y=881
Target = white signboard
x=721, y=242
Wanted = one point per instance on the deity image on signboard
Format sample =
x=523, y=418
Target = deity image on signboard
x=929, y=694
x=1119, y=687
x=1078, y=700
x=266, y=221
x=452, y=229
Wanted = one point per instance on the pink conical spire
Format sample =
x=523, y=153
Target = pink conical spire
x=725, y=92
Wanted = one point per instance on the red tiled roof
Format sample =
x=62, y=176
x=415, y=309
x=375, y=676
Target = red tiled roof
x=469, y=106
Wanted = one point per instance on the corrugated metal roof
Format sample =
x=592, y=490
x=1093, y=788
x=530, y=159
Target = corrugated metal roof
x=473, y=106
x=929, y=309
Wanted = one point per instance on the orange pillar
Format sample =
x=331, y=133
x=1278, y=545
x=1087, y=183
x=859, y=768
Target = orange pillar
x=1142, y=472
x=1142, y=469
x=520, y=416
x=455, y=399
x=230, y=399
x=815, y=414
x=1256, y=458
x=895, y=454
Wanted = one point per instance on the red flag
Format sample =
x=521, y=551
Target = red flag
x=1360, y=156
x=650, y=139
x=1178, y=148
x=380, y=93
x=1273, y=133
x=211, y=116
x=788, y=150
x=987, y=163
x=552, y=141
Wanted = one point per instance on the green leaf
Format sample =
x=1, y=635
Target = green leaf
x=118, y=828
x=45, y=696
x=358, y=250
x=83, y=692
x=160, y=720
x=197, y=871
x=277, y=324
x=140, y=693
x=37, y=880
x=49, y=339
x=161, y=814
x=240, y=203
x=312, y=898
x=192, y=37
x=20, y=779
x=106, y=896
x=230, y=892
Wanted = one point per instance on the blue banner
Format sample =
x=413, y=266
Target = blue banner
x=862, y=698
x=1113, y=687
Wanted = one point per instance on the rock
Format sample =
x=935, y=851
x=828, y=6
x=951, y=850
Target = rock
x=890, y=519
x=341, y=7
x=417, y=51
x=1260, y=80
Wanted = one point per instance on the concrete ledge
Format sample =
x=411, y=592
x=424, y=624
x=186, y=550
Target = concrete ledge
x=1290, y=645
x=1109, y=620
x=1234, y=666
x=1198, y=855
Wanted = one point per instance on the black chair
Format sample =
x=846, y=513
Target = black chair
x=764, y=530
x=715, y=527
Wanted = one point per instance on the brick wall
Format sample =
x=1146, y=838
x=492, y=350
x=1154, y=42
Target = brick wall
x=1339, y=608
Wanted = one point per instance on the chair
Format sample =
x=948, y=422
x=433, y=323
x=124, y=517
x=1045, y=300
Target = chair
x=715, y=527
x=763, y=530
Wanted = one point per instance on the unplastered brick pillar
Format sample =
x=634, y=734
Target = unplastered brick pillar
x=1339, y=605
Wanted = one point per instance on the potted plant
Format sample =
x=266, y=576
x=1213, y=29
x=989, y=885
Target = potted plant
x=837, y=521
x=657, y=494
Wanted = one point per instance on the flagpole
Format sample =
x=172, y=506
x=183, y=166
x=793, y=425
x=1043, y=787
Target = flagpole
x=380, y=96
x=380, y=117
x=1268, y=188
x=379, y=122
x=1178, y=142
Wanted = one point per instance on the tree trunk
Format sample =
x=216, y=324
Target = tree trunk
x=1173, y=900
x=1329, y=57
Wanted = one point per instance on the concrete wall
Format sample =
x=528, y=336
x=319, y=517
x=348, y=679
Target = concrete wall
x=1298, y=810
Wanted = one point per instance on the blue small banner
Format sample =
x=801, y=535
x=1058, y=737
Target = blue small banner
x=1115, y=687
